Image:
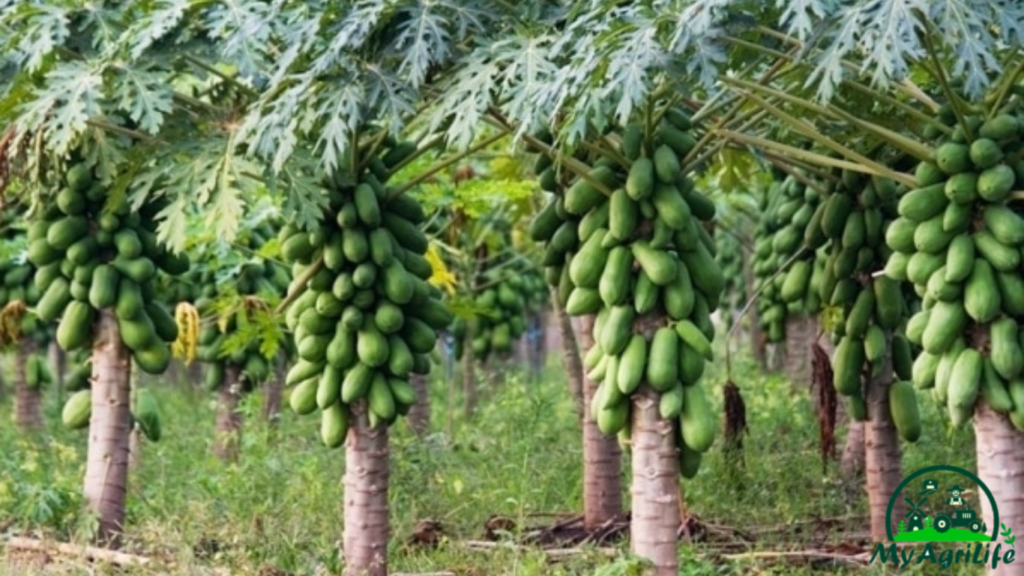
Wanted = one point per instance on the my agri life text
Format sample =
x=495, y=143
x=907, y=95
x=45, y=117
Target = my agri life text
x=944, y=558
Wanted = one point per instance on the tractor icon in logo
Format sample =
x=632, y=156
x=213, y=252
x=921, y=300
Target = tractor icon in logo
x=938, y=509
x=960, y=517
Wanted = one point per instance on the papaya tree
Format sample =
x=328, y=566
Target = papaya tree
x=788, y=302
x=637, y=208
x=240, y=337
x=472, y=214
x=20, y=329
x=97, y=262
x=602, y=454
x=941, y=74
x=501, y=292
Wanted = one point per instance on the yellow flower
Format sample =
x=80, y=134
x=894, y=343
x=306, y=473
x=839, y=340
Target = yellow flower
x=440, y=276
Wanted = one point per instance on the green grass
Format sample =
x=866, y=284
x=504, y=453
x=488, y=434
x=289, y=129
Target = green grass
x=519, y=455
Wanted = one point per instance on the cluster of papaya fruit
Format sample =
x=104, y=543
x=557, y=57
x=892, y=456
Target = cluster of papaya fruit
x=19, y=284
x=730, y=258
x=367, y=318
x=508, y=295
x=787, y=208
x=79, y=371
x=37, y=371
x=16, y=284
x=641, y=261
x=958, y=240
x=93, y=253
x=869, y=309
x=234, y=299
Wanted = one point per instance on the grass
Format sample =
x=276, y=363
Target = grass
x=280, y=507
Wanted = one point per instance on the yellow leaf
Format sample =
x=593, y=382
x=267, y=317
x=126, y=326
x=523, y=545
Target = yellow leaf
x=440, y=275
x=187, y=318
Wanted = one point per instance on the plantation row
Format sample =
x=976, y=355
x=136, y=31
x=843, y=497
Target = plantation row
x=324, y=192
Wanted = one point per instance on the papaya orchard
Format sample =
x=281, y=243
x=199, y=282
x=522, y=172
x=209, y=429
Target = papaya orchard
x=345, y=199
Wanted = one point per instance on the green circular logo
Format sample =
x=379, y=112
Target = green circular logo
x=941, y=468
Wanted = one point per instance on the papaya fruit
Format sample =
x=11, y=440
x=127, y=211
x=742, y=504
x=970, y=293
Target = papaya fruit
x=1005, y=352
x=660, y=267
x=666, y=164
x=334, y=424
x=994, y=390
x=631, y=365
x=847, y=365
x=995, y=183
x=1004, y=224
x=904, y=411
x=614, y=284
x=946, y=322
x=77, y=410
x=75, y=328
x=981, y=296
x=640, y=181
x=965, y=379
x=952, y=158
x=960, y=259
x=697, y=421
x=662, y=367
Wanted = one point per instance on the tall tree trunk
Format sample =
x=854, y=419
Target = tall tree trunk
x=27, y=400
x=195, y=374
x=655, y=514
x=468, y=372
x=106, y=468
x=229, y=420
x=366, y=529
x=272, y=399
x=882, y=450
x=758, y=340
x=58, y=364
x=1001, y=468
x=570, y=353
x=602, y=457
x=540, y=342
x=135, y=449
x=419, y=413
x=851, y=465
x=800, y=331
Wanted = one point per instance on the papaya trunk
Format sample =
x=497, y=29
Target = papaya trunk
x=1001, y=468
x=655, y=514
x=851, y=466
x=195, y=374
x=535, y=347
x=27, y=399
x=229, y=419
x=58, y=362
x=573, y=364
x=135, y=449
x=106, y=468
x=272, y=399
x=468, y=372
x=799, y=334
x=366, y=530
x=881, y=450
x=758, y=341
x=602, y=457
x=419, y=413
x=570, y=353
